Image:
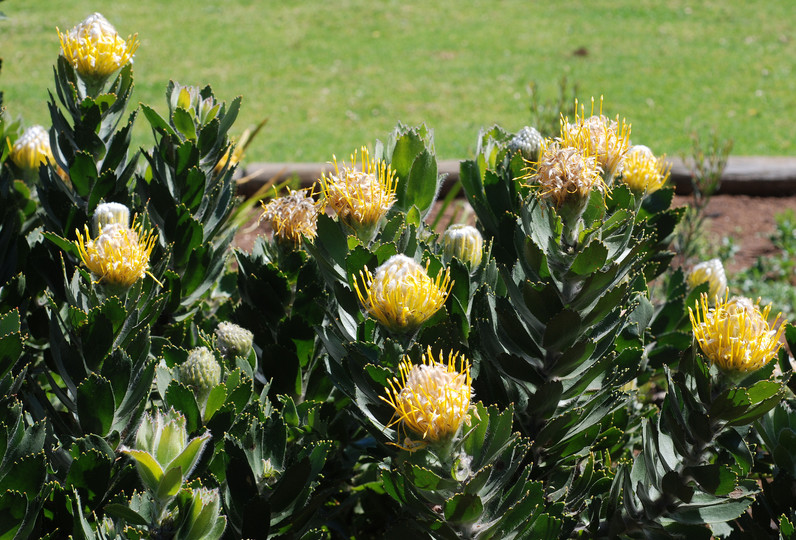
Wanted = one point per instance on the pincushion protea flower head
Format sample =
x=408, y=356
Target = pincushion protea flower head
x=118, y=255
x=431, y=399
x=293, y=216
x=643, y=172
x=565, y=174
x=735, y=334
x=32, y=149
x=712, y=272
x=360, y=196
x=401, y=295
x=95, y=49
x=599, y=136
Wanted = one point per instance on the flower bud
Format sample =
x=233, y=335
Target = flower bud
x=712, y=272
x=528, y=142
x=110, y=213
x=233, y=340
x=32, y=149
x=201, y=372
x=465, y=243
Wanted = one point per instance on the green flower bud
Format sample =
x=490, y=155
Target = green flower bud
x=161, y=448
x=528, y=141
x=203, y=520
x=201, y=371
x=233, y=340
x=465, y=243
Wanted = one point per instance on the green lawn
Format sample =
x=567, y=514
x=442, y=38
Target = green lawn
x=331, y=76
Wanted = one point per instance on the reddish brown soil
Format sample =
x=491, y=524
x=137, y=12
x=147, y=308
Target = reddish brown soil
x=748, y=220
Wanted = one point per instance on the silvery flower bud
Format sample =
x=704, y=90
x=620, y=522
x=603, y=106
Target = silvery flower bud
x=465, y=243
x=110, y=213
x=233, y=340
x=527, y=141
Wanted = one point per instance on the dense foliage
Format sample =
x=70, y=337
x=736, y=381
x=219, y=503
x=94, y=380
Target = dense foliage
x=356, y=374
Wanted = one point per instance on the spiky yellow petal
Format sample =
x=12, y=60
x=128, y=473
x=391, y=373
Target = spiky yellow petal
x=431, y=399
x=95, y=49
x=294, y=216
x=735, y=334
x=401, y=295
x=360, y=196
x=118, y=256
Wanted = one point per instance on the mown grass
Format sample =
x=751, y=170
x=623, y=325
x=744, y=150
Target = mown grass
x=331, y=76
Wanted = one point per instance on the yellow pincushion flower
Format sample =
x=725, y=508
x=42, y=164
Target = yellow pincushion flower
x=95, y=49
x=294, y=216
x=431, y=399
x=401, y=295
x=735, y=335
x=712, y=272
x=119, y=255
x=599, y=136
x=643, y=172
x=565, y=173
x=360, y=196
x=32, y=149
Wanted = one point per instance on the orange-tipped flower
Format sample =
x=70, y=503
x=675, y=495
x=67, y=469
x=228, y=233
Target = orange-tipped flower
x=735, y=335
x=95, y=49
x=431, y=399
x=401, y=295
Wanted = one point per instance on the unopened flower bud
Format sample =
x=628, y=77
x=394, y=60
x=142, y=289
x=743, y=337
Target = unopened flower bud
x=110, y=213
x=528, y=142
x=465, y=243
x=32, y=149
x=233, y=340
x=201, y=372
x=712, y=272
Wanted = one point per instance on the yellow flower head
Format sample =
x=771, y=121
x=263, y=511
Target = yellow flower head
x=360, y=196
x=32, y=149
x=597, y=136
x=735, y=334
x=294, y=216
x=712, y=272
x=95, y=49
x=643, y=172
x=431, y=399
x=119, y=255
x=565, y=173
x=401, y=295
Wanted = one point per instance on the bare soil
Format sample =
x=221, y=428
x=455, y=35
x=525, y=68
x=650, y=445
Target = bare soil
x=748, y=220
